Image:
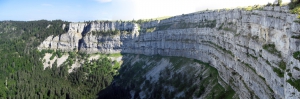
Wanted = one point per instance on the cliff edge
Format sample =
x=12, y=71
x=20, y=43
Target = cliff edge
x=254, y=51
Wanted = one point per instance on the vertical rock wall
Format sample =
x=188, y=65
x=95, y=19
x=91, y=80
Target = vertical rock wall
x=233, y=41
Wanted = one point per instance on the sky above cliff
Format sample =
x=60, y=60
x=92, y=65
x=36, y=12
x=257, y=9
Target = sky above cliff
x=83, y=10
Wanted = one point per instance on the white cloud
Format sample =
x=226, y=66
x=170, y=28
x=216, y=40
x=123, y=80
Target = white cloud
x=104, y=1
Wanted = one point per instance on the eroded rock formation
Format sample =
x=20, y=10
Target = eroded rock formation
x=246, y=47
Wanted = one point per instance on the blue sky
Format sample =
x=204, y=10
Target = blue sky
x=83, y=10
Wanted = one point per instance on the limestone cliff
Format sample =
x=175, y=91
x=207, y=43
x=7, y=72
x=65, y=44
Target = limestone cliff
x=248, y=48
x=72, y=40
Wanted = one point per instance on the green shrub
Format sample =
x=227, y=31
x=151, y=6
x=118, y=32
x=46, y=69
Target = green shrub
x=72, y=55
x=296, y=10
x=295, y=7
x=2, y=94
x=278, y=72
x=271, y=48
x=296, y=68
x=229, y=29
x=290, y=74
x=116, y=65
x=114, y=55
x=262, y=77
x=279, y=3
x=221, y=26
x=52, y=57
x=282, y=65
x=294, y=83
x=210, y=24
x=298, y=36
x=59, y=53
x=268, y=62
x=251, y=56
x=249, y=66
x=296, y=55
x=293, y=4
x=163, y=27
x=71, y=62
x=255, y=7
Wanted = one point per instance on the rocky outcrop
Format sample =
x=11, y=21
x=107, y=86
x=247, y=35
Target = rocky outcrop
x=246, y=47
x=72, y=40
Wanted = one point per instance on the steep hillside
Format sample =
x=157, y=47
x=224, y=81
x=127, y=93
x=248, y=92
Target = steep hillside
x=158, y=77
x=255, y=51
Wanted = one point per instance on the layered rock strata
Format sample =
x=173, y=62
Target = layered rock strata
x=244, y=46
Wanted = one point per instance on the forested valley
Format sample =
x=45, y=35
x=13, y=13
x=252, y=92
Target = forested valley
x=21, y=65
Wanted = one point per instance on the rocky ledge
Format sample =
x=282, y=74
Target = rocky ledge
x=254, y=51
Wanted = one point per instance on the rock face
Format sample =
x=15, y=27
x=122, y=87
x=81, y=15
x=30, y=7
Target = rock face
x=72, y=40
x=244, y=46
